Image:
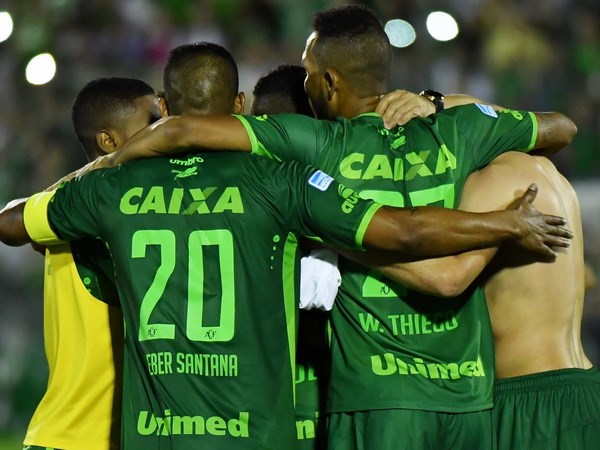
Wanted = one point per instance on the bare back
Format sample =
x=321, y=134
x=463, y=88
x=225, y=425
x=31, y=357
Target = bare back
x=535, y=308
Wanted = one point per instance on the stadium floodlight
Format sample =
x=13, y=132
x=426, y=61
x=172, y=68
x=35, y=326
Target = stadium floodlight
x=6, y=25
x=400, y=32
x=40, y=69
x=442, y=26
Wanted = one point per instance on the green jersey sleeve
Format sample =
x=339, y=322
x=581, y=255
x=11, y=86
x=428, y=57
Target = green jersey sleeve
x=313, y=203
x=490, y=133
x=286, y=137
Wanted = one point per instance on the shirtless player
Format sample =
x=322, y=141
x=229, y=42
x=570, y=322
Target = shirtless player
x=547, y=394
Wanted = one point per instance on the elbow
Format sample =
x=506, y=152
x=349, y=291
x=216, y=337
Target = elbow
x=555, y=132
x=12, y=228
x=15, y=242
x=12, y=238
x=569, y=130
x=449, y=286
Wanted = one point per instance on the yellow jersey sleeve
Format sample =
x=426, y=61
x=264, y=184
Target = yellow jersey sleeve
x=35, y=218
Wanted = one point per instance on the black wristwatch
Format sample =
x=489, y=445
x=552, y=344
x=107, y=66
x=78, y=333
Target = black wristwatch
x=434, y=97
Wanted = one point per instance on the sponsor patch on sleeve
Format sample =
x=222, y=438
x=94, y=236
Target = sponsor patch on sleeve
x=487, y=110
x=320, y=180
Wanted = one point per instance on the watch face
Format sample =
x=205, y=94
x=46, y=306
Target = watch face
x=433, y=94
x=434, y=97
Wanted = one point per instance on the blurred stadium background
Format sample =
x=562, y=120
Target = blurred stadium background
x=536, y=55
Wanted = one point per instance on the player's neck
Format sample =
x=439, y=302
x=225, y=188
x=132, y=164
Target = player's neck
x=358, y=106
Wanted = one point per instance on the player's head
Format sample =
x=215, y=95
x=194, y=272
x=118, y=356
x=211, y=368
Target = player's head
x=108, y=111
x=202, y=79
x=348, y=54
x=281, y=91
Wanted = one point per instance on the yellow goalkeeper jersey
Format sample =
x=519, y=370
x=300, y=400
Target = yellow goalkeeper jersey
x=83, y=341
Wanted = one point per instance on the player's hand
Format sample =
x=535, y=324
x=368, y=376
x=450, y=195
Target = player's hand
x=399, y=106
x=540, y=233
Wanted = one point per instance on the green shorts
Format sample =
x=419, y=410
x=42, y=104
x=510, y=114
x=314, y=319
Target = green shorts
x=395, y=429
x=558, y=409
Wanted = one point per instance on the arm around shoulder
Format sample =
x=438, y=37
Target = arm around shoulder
x=430, y=231
x=175, y=134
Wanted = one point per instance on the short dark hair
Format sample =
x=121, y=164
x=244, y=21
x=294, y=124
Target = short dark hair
x=200, y=78
x=352, y=40
x=103, y=103
x=281, y=91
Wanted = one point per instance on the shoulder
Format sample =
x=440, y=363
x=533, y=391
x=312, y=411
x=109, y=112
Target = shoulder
x=505, y=178
x=512, y=166
x=471, y=111
x=88, y=180
x=260, y=171
x=367, y=120
x=284, y=120
x=497, y=184
x=108, y=174
x=504, y=169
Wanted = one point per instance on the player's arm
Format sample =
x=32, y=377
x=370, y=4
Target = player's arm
x=280, y=136
x=447, y=276
x=174, y=134
x=554, y=130
x=320, y=206
x=399, y=106
x=69, y=213
x=12, y=227
x=430, y=231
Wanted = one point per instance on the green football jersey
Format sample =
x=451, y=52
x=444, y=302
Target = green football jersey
x=393, y=347
x=205, y=252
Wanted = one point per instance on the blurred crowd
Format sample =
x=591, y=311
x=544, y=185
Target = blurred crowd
x=536, y=55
